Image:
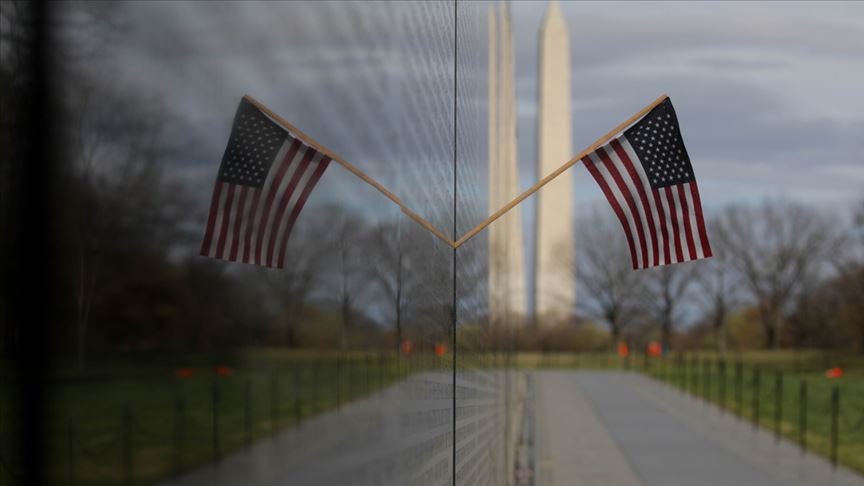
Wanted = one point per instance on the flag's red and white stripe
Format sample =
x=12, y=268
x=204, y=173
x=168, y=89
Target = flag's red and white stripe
x=663, y=225
x=252, y=224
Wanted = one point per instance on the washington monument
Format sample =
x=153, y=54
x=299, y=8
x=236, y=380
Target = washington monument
x=507, y=283
x=554, y=289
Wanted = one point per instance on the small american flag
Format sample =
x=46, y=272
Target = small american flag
x=646, y=175
x=265, y=178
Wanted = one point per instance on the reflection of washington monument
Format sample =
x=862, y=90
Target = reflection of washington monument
x=553, y=259
x=554, y=283
x=507, y=296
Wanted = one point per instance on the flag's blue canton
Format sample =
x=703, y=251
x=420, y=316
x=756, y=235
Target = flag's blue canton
x=255, y=140
x=657, y=141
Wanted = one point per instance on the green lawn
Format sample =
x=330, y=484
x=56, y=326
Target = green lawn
x=766, y=389
x=144, y=423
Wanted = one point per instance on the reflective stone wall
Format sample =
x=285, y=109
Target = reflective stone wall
x=380, y=366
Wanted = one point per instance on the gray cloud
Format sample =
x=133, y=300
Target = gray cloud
x=350, y=75
x=751, y=137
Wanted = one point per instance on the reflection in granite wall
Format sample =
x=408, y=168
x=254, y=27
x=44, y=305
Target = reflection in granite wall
x=413, y=433
x=484, y=389
x=395, y=121
x=399, y=89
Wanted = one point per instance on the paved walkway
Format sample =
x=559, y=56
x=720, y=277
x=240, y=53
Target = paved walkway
x=386, y=439
x=399, y=436
x=622, y=429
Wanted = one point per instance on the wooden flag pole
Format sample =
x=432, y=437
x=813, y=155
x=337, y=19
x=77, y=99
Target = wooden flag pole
x=542, y=182
x=354, y=170
x=419, y=219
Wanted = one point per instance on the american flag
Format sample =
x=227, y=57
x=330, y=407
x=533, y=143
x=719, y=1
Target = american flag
x=265, y=178
x=646, y=175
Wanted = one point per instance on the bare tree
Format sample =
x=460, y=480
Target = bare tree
x=288, y=289
x=717, y=282
x=611, y=287
x=347, y=266
x=778, y=249
x=117, y=199
x=431, y=297
x=847, y=259
x=392, y=270
x=665, y=289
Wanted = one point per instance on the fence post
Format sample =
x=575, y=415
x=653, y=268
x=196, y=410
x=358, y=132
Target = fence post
x=835, y=412
x=376, y=371
x=739, y=383
x=697, y=370
x=350, y=385
x=315, y=391
x=214, y=402
x=274, y=401
x=778, y=404
x=338, y=383
x=686, y=373
x=802, y=416
x=247, y=412
x=722, y=391
x=298, y=411
x=366, y=361
x=709, y=370
x=663, y=376
x=382, y=369
x=179, y=416
x=757, y=376
x=127, y=445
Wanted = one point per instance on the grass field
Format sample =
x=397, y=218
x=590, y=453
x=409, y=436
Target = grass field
x=124, y=422
x=791, y=397
x=141, y=423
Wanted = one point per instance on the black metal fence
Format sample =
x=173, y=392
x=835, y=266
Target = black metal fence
x=819, y=412
x=201, y=424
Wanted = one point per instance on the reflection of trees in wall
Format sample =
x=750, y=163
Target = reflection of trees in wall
x=117, y=200
x=111, y=196
x=344, y=238
x=393, y=245
x=288, y=289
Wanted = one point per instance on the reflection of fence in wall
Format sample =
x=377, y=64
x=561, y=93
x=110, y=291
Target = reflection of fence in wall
x=202, y=425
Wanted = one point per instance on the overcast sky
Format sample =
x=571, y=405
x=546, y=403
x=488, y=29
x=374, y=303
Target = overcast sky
x=768, y=94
